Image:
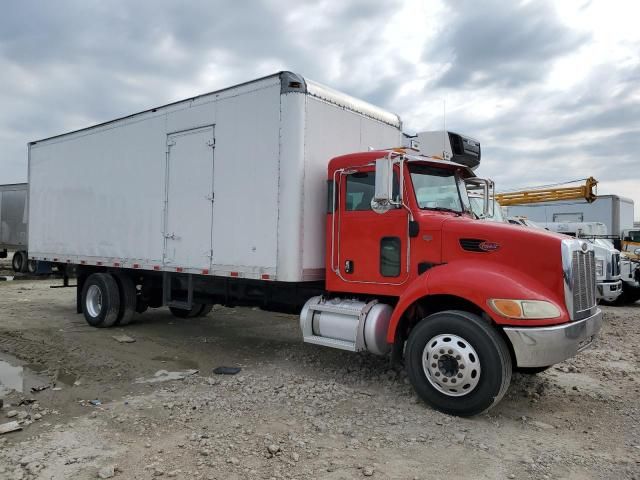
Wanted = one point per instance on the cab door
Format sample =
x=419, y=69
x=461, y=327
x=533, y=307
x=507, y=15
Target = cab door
x=371, y=247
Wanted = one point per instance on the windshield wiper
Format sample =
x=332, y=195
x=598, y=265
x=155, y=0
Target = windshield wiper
x=444, y=209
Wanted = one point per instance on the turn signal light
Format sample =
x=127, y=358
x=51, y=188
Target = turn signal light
x=524, y=308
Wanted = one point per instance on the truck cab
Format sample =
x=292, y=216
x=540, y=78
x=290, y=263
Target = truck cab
x=462, y=303
x=608, y=276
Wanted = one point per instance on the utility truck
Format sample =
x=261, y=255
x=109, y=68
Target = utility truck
x=287, y=195
x=13, y=224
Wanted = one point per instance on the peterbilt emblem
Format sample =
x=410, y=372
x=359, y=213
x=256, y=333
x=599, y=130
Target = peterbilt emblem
x=584, y=246
x=489, y=246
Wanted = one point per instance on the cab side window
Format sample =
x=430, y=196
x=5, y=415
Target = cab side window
x=360, y=190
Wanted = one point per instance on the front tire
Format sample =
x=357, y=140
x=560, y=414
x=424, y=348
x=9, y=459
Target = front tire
x=100, y=300
x=458, y=363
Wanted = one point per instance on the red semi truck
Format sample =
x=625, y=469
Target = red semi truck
x=249, y=196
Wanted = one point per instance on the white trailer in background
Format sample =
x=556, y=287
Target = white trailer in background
x=614, y=211
x=13, y=223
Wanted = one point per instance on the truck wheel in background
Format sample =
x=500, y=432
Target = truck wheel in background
x=19, y=262
x=185, y=313
x=457, y=363
x=100, y=300
x=206, y=309
x=32, y=266
x=128, y=298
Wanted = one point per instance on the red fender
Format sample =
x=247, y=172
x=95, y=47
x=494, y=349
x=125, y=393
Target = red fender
x=477, y=281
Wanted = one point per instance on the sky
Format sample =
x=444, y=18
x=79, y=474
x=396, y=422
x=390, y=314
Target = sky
x=551, y=89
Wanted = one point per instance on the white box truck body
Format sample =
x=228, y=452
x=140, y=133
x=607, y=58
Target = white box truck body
x=13, y=223
x=13, y=216
x=614, y=211
x=227, y=183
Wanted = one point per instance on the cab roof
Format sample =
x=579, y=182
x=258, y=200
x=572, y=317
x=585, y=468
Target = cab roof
x=360, y=159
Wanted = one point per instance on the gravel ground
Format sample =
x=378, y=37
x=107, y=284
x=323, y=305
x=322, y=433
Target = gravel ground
x=295, y=411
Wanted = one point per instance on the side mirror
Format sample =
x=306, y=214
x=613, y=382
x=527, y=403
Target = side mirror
x=382, y=200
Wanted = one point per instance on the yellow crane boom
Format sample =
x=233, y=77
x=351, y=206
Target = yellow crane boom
x=586, y=192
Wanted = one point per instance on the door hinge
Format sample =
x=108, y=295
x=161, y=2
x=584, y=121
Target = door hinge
x=211, y=143
x=210, y=197
x=171, y=236
x=171, y=143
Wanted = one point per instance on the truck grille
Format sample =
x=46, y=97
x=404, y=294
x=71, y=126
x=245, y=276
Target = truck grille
x=584, y=293
x=615, y=265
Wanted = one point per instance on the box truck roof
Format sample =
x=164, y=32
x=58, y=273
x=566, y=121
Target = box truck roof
x=290, y=82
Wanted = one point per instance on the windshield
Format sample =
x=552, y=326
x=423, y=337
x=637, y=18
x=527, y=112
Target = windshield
x=477, y=205
x=439, y=189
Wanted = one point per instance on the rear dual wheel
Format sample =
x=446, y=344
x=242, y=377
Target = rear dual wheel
x=458, y=363
x=108, y=300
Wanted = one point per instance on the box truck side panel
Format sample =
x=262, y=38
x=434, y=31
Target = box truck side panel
x=332, y=130
x=245, y=213
x=99, y=193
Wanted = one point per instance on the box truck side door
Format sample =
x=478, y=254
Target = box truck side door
x=189, y=199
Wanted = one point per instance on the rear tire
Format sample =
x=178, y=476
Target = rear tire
x=457, y=363
x=128, y=298
x=32, y=267
x=100, y=300
x=19, y=262
x=185, y=313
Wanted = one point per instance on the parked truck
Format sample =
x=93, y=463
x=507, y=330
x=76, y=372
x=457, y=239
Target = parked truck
x=285, y=194
x=13, y=224
x=608, y=263
x=615, y=212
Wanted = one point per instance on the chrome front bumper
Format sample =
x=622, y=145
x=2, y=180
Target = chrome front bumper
x=609, y=291
x=545, y=346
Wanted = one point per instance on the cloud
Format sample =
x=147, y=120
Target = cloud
x=507, y=44
x=551, y=89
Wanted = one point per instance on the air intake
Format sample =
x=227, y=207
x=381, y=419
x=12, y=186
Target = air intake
x=472, y=244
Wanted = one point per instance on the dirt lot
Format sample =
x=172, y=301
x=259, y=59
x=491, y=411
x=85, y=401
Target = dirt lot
x=295, y=411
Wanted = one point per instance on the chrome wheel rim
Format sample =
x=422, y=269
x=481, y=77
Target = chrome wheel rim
x=451, y=365
x=94, y=301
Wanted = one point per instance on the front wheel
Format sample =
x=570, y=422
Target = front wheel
x=458, y=363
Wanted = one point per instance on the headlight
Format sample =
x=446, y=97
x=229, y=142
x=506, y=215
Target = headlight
x=524, y=308
x=599, y=267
